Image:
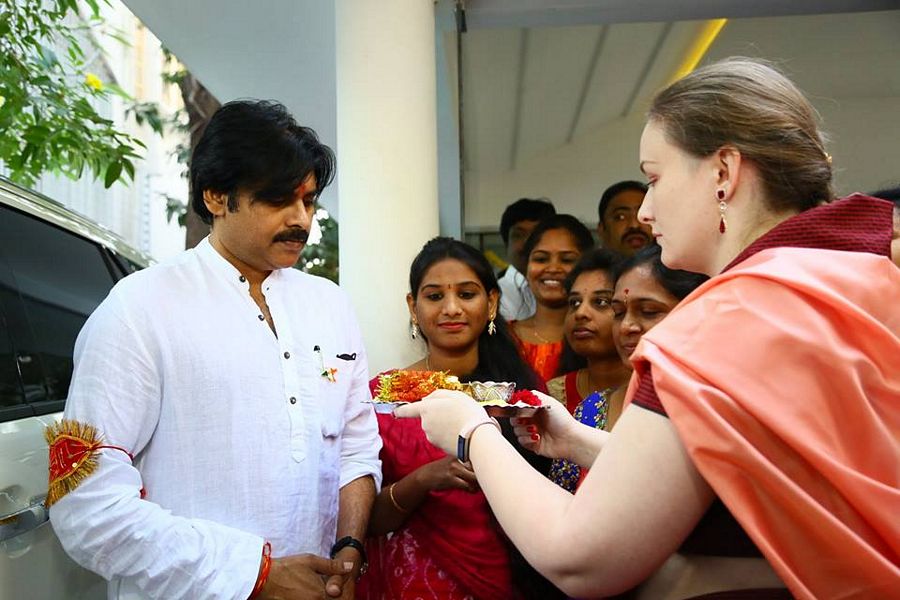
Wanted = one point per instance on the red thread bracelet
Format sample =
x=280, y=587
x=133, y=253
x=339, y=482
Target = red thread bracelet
x=263, y=571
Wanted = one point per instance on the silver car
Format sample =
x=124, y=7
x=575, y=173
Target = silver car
x=55, y=268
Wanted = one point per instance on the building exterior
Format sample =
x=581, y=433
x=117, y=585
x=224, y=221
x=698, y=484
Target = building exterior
x=548, y=95
x=136, y=211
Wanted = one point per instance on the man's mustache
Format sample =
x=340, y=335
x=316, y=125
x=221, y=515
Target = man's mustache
x=295, y=234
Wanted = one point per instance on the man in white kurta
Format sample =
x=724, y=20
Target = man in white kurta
x=516, y=300
x=240, y=391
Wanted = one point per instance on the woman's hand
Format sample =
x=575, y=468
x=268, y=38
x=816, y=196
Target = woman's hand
x=447, y=474
x=549, y=432
x=443, y=415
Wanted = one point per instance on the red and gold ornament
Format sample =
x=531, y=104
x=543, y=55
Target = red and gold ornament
x=74, y=447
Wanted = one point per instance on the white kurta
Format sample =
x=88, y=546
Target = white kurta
x=516, y=300
x=236, y=434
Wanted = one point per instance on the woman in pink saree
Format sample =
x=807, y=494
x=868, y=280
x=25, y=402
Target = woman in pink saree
x=774, y=387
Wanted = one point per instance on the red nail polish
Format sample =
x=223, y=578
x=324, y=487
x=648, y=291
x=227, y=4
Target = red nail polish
x=532, y=429
x=535, y=437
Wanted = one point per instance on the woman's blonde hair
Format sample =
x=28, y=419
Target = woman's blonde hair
x=750, y=105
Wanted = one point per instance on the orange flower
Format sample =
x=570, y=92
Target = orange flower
x=412, y=386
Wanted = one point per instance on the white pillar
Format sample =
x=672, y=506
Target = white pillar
x=449, y=184
x=387, y=162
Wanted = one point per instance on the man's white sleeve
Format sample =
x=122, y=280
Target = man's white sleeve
x=360, y=443
x=104, y=524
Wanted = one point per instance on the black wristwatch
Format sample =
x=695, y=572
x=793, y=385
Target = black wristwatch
x=353, y=543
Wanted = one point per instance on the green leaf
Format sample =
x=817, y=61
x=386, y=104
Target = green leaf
x=95, y=8
x=175, y=208
x=73, y=54
x=48, y=57
x=77, y=165
x=118, y=91
x=112, y=174
x=48, y=122
x=36, y=134
x=119, y=36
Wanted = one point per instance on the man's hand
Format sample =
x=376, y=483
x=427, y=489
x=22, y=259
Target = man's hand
x=303, y=576
x=343, y=585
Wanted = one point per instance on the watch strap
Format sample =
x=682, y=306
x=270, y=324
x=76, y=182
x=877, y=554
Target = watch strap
x=465, y=435
x=351, y=541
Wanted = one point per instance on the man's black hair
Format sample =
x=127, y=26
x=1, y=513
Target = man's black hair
x=616, y=189
x=524, y=209
x=256, y=147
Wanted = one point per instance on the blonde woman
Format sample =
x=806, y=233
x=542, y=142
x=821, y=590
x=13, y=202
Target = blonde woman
x=773, y=386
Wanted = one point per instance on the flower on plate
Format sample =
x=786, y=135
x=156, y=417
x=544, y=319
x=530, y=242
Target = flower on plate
x=525, y=397
x=411, y=386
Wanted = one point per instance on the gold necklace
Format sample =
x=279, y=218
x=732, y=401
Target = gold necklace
x=538, y=335
x=427, y=362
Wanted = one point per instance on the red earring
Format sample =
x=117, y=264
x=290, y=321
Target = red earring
x=720, y=194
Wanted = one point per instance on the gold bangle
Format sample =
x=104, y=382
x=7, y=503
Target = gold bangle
x=394, y=500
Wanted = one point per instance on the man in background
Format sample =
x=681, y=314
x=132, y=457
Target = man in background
x=516, y=224
x=619, y=228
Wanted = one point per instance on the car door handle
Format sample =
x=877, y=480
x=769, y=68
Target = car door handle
x=23, y=520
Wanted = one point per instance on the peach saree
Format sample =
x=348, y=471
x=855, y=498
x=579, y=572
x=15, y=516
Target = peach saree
x=782, y=377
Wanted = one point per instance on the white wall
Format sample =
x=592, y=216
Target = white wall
x=572, y=176
x=865, y=142
x=280, y=50
x=865, y=146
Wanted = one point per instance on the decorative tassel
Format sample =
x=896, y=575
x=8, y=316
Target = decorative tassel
x=74, y=447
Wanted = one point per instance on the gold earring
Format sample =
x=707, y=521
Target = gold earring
x=413, y=329
x=492, y=328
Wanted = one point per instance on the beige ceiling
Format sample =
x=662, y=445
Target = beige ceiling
x=527, y=91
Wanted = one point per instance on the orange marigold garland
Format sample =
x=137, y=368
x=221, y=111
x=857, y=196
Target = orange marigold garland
x=411, y=386
x=73, y=456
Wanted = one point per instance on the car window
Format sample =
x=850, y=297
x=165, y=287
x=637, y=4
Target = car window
x=60, y=279
x=123, y=266
x=12, y=397
x=16, y=365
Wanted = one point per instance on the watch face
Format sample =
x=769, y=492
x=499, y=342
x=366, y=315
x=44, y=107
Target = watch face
x=461, y=449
